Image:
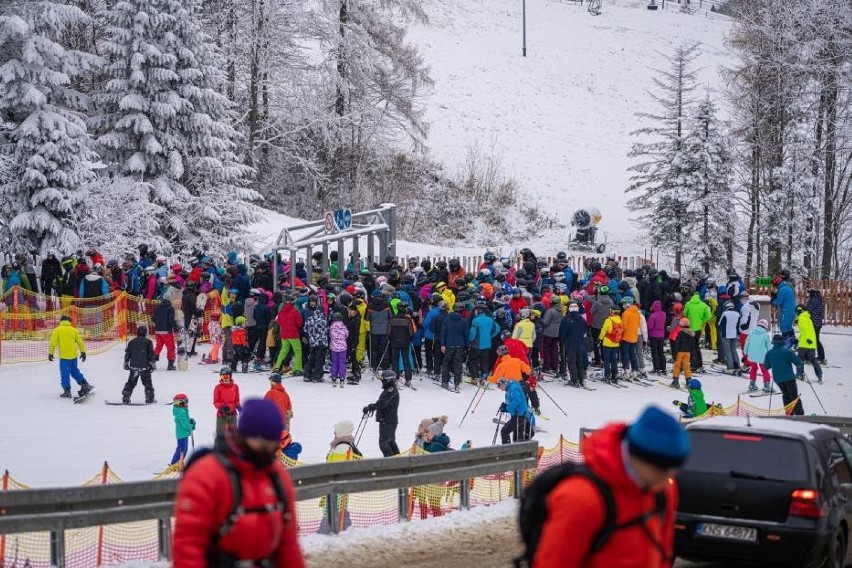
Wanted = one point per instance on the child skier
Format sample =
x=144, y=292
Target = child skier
x=339, y=335
x=226, y=399
x=139, y=360
x=757, y=345
x=184, y=425
x=214, y=331
x=279, y=396
x=239, y=339
x=695, y=405
x=682, y=350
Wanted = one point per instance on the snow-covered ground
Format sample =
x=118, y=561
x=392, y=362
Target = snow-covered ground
x=561, y=117
x=48, y=441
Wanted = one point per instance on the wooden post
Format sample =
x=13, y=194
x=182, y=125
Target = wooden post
x=561, y=443
x=5, y=487
x=104, y=477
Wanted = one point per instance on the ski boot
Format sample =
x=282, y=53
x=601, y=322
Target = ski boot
x=171, y=366
x=66, y=393
x=767, y=388
x=85, y=388
x=537, y=411
x=752, y=387
x=675, y=384
x=244, y=366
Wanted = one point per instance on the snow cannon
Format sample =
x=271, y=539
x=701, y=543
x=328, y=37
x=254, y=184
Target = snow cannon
x=586, y=221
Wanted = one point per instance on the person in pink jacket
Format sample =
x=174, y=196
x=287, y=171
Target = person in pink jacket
x=338, y=334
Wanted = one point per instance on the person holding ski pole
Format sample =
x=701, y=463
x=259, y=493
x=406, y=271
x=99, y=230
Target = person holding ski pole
x=780, y=361
x=387, y=414
x=521, y=421
x=184, y=426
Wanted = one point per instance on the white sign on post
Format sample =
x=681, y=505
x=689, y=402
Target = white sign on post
x=329, y=221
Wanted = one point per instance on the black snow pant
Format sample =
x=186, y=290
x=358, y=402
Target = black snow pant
x=132, y=379
x=657, y=357
x=438, y=357
x=453, y=359
x=253, y=335
x=789, y=393
x=429, y=346
x=387, y=439
x=260, y=353
x=479, y=361
x=695, y=359
x=576, y=365
x=355, y=365
x=316, y=363
x=596, y=346
x=518, y=428
x=379, y=352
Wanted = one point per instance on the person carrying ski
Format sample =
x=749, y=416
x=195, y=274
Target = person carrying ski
x=226, y=400
x=139, y=359
x=386, y=409
x=637, y=463
x=184, y=426
x=66, y=338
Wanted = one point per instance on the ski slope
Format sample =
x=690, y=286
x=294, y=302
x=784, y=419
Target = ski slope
x=48, y=441
x=561, y=116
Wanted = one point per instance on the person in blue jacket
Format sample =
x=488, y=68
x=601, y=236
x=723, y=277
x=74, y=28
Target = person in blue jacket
x=572, y=334
x=454, y=341
x=521, y=423
x=780, y=361
x=429, y=338
x=784, y=299
x=483, y=331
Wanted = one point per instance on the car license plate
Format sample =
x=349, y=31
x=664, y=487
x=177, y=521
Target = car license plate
x=729, y=532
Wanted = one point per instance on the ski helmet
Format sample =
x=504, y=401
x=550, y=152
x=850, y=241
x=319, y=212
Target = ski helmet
x=388, y=377
x=502, y=350
x=693, y=384
x=763, y=323
x=180, y=399
x=561, y=255
x=142, y=330
x=225, y=372
x=337, y=316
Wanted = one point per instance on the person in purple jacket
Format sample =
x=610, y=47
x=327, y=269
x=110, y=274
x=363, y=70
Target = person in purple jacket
x=657, y=337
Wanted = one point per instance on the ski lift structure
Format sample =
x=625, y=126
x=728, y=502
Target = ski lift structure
x=586, y=235
x=594, y=7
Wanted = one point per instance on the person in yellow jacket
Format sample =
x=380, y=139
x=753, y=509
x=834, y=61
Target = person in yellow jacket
x=363, y=331
x=610, y=337
x=808, y=339
x=447, y=294
x=631, y=319
x=66, y=338
x=342, y=449
x=710, y=326
x=525, y=329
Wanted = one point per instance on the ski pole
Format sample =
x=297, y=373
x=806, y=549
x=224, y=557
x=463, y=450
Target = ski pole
x=192, y=439
x=497, y=429
x=771, y=392
x=476, y=392
x=807, y=380
x=362, y=427
x=487, y=387
x=551, y=399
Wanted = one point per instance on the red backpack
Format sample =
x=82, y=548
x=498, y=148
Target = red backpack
x=616, y=332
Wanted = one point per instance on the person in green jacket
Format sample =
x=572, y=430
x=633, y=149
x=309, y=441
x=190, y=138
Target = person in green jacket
x=808, y=339
x=695, y=404
x=68, y=341
x=184, y=425
x=698, y=313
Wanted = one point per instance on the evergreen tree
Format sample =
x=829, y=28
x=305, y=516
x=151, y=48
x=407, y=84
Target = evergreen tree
x=660, y=196
x=164, y=123
x=44, y=139
x=705, y=176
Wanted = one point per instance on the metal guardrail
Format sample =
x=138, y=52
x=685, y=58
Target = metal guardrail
x=61, y=509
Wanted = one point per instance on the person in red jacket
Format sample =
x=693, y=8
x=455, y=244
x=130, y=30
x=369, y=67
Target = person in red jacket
x=518, y=302
x=637, y=462
x=290, y=323
x=226, y=399
x=260, y=530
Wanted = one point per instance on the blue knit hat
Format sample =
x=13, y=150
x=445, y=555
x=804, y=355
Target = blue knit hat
x=658, y=439
x=260, y=419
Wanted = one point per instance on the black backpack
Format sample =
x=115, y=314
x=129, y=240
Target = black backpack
x=533, y=511
x=215, y=557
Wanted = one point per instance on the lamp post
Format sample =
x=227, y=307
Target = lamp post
x=524, y=26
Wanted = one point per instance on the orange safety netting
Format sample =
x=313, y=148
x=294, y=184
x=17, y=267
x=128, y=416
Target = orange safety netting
x=121, y=543
x=743, y=408
x=27, y=319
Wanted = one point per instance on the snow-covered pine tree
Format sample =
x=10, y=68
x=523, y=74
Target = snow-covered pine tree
x=658, y=195
x=42, y=186
x=705, y=176
x=163, y=123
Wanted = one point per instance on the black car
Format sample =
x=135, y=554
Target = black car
x=766, y=491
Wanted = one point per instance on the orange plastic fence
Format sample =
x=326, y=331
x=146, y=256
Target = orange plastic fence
x=27, y=320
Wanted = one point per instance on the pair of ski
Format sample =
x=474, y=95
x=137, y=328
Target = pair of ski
x=112, y=403
x=671, y=386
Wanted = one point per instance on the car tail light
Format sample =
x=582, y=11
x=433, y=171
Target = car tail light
x=805, y=503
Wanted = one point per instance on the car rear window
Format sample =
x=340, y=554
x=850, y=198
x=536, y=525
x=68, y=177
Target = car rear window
x=750, y=454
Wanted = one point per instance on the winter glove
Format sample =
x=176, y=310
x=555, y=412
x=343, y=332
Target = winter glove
x=192, y=423
x=809, y=341
x=503, y=407
x=83, y=357
x=225, y=409
x=50, y=356
x=126, y=366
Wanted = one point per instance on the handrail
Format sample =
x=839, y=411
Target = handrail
x=60, y=509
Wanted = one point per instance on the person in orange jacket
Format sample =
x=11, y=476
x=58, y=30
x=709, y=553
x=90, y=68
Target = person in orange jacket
x=631, y=321
x=226, y=399
x=279, y=396
x=508, y=367
x=212, y=530
x=637, y=462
